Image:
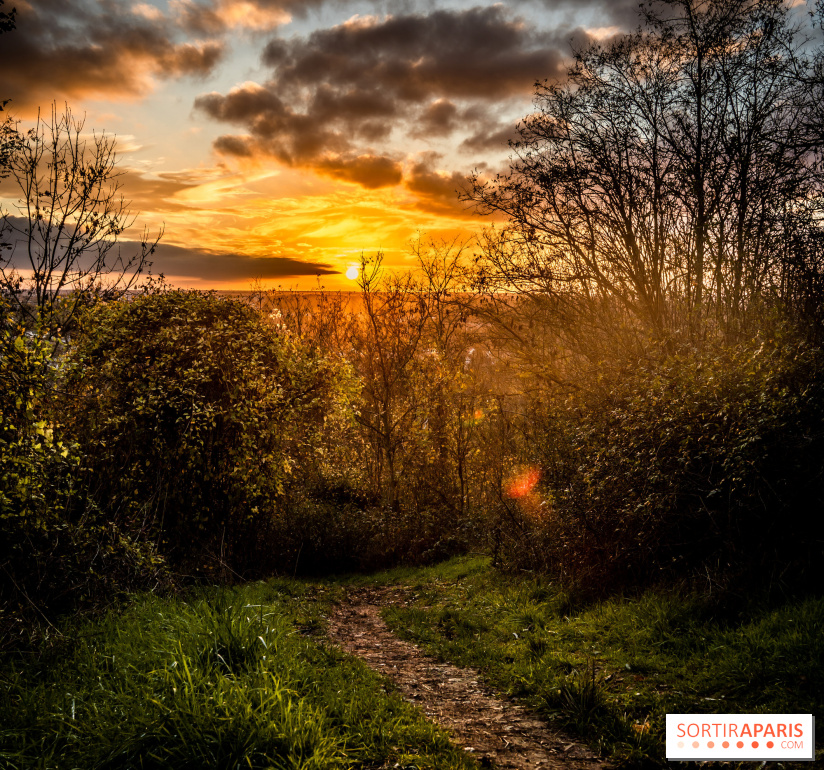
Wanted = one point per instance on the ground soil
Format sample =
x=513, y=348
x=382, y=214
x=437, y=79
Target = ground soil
x=498, y=732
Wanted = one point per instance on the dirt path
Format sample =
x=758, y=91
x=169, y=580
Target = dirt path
x=498, y=732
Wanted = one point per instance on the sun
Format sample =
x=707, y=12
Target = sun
x=352, y=272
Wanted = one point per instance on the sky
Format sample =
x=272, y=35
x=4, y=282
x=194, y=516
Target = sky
x=278, y=140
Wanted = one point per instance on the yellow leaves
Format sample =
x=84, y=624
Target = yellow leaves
x=43, y=430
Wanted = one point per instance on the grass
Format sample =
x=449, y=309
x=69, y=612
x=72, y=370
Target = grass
x=612, y=671
x=239, y=678
x=226, y=679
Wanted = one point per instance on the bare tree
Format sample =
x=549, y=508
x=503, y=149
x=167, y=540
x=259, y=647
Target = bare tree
x=62, y=246
x=668, y=175
x=394, y=316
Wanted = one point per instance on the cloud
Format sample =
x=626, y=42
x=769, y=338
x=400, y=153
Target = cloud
x=622, y=13
x=210, y=266
x=237, y=146
x=276, y=128
x=217, y=16
x=147, y=192
x=317, y=139
x=490, y=136
x=338, y=98
x=370, y=171
x=94, y=49
x=484, y=53
x=172, y=260
x=437, y=191
x=439, y=118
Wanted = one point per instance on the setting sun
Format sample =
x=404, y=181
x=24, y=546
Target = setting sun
x=353, y=272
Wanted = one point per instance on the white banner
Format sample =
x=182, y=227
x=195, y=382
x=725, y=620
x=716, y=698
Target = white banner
x=743, y=737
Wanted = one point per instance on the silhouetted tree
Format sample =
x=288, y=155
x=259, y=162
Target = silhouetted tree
x=8, y=135
x=671, y=173
x=62, y=246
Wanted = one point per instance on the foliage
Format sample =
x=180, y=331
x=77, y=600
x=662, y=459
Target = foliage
x=378, y=490
x=420, y=394
x=705, y=465
x=56, y=552
x=192, y=414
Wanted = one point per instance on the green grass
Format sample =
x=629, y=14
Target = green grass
x=227, y=679
x=241, y=679
x=613, y=670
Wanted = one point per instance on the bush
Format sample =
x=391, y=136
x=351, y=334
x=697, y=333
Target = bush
x=56, y=552
x=707, y=465
x=193, y=415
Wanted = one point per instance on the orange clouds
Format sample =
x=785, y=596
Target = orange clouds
x=358, y=134
x=216, y=16
x=225, y=228
x=370, y=171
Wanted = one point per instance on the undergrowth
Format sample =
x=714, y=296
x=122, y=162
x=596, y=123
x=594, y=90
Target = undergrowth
x=231, y=678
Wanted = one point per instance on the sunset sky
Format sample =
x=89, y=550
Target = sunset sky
x=279, y=139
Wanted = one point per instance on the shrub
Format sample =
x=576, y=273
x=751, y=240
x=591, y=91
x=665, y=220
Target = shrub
x=193, y=416
x=705, y=465
x=56, y=552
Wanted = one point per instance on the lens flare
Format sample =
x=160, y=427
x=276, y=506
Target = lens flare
x=523, y=483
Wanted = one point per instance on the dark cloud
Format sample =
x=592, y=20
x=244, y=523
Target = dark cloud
x=276, y=128
x=237, y=146
x=322, y=138
x=490, y=137
x=370, y=171
x=208, y=266
x=485, y=53
x=96, y=48
x=366, y=111
x=337, y=94
x=437, y=191
x=440, y=118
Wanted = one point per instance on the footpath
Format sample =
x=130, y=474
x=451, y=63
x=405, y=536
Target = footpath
x=498, y=732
